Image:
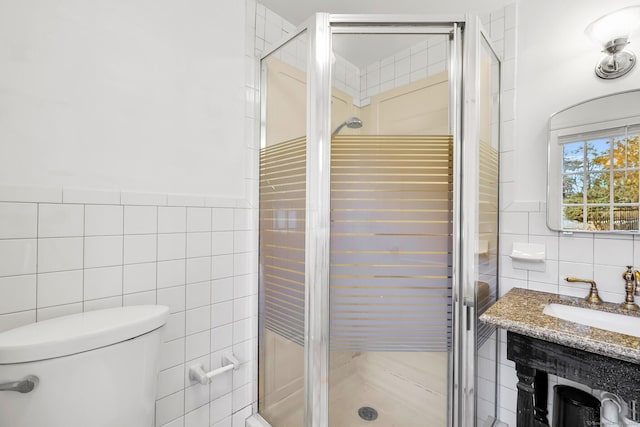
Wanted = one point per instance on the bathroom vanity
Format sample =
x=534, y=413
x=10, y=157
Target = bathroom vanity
x=541, y=344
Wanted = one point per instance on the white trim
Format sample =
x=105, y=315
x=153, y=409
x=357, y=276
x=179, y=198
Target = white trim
x=185, y=200
x=33, y=194
x=256, y=421
x=420, y=20
x=145, y=199
x=96, y=197
x=15, y=193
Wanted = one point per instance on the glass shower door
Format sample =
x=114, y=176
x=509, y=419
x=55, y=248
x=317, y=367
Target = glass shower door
x=282, y=234
x=391, y=308
x=378, y=246
x=479, y=212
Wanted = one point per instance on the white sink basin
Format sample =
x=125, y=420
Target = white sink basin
x=620, y=323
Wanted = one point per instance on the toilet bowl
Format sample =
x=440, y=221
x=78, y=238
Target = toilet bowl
x=93, y=369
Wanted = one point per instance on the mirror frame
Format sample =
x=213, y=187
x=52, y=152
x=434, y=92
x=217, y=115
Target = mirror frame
x=599, y=113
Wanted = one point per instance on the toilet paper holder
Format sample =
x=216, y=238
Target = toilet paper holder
x=198, y=374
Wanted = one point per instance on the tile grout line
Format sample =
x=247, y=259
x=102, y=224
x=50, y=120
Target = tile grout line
x=233, y=314
x=211, y=306
x=184, y=394
x=155, y=403
x=37, y=257
x=84, y=220
x=122, y=273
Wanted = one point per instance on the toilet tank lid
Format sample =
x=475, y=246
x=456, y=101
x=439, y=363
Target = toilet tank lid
x=80, y=332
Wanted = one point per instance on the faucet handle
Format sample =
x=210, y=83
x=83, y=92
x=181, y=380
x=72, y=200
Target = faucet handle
x=629, y=275
x=630, y=286
x=593, y=297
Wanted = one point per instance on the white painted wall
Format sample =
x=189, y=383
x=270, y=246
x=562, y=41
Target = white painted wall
x=132, y=95
x=555, y=70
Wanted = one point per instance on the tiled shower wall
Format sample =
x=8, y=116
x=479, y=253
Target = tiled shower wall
x=59, y=258
x=430, y=57
x=411, y=64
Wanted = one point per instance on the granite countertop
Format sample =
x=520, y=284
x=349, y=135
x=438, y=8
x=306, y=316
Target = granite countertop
x=520, y=311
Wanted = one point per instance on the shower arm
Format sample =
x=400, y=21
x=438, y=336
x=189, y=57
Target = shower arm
x=338, y=129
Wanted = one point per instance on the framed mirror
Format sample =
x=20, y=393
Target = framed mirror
x=593, y=165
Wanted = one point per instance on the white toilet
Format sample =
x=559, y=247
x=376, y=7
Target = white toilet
x=93, y=369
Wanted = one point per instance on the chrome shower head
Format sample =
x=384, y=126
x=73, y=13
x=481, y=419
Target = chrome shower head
x=351, y=123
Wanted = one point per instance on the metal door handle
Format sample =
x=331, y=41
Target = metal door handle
x=25, y=385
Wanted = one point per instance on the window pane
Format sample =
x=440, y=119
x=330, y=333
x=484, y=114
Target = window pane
x=600, y=182
x=632, y=151
x=625, y=217
x=598, y=218
x=625, y=187
x=598, y=154
x=573, y=157
x=573, y=218
x=573, y=189
x=598, y=188
x=619, y=152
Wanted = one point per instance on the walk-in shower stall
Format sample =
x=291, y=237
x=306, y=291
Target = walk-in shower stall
x=378, y=224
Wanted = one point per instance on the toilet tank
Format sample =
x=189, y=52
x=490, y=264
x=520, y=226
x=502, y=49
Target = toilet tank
x=96, y=369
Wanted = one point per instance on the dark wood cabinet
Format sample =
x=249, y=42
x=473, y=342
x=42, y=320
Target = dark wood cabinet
x=535, y=358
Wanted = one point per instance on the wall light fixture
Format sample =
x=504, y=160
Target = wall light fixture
x=612, y=32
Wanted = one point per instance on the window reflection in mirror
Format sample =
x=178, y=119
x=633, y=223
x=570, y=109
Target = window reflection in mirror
x=594, y=166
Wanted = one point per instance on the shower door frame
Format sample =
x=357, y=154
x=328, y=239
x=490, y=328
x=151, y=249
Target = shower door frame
x=469, y=161
x=320, y=28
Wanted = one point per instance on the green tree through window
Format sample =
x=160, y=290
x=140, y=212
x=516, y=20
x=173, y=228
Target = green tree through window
x=601, y=179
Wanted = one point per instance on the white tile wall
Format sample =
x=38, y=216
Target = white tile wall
x=58, y=220
x=424, y=59
x=412, y=64
x=103, y=220
x=103, y=251
x=18, y=220
x=59, y=254
x=599, y=257
x=18, y=256
x=59, y=288
x=58, y=259
x=139, y=248
x=140, y=220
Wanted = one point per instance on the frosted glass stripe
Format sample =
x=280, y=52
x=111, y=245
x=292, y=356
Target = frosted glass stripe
x=282, y=238
x=488, y=212
x=390, y=243
x=391, y=200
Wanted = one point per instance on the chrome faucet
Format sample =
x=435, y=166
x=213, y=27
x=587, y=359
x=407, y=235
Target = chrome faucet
x=630, y=286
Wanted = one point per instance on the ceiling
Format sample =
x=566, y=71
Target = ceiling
x=296, y=11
